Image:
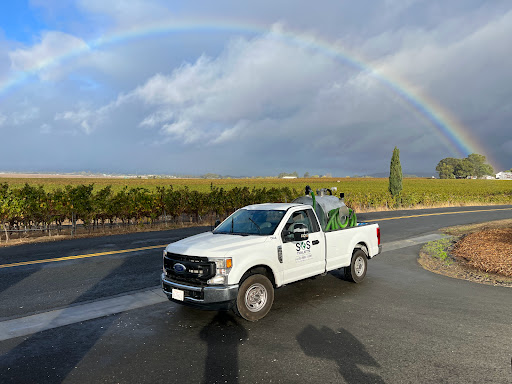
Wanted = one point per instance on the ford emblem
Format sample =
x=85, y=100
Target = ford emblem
x=179, y=268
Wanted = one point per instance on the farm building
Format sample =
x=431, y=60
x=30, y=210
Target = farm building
x=504, y=175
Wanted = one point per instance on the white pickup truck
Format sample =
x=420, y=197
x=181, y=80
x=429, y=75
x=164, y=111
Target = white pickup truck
x=262, y=247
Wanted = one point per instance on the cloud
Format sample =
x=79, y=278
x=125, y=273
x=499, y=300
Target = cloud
x=156, y=118
x=80, y=118
x=46, y=129
x=24, y=116
x=464, y=75
x=271, y=100
x=43, y=56
x=270, y=92
x=77, y=117
x=261, y=79
x=437, y=62
x=507, y=146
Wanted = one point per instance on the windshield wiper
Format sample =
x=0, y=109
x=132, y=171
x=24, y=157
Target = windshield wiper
x=257, y=226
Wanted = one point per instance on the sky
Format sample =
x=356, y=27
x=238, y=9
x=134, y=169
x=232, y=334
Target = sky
x=253, y=88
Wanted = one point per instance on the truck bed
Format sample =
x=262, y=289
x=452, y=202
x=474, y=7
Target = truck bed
x=341, y=243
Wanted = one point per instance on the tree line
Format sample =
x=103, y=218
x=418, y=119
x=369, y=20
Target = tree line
x=472, y=166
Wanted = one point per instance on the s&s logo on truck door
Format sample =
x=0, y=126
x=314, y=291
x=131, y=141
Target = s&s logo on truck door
x=303, y=249
x=303, y=246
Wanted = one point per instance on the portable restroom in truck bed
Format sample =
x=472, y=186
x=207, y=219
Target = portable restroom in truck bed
x=332, y=212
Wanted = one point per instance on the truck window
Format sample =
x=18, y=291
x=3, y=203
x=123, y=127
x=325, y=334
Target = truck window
x=301, y=217
x=251, y=222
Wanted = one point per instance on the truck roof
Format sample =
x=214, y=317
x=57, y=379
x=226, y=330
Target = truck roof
x=273, y=206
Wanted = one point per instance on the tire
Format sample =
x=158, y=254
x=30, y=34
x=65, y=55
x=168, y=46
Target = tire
x=255, y=298
x=358, y=266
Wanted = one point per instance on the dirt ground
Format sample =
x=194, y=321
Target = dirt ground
x=480, y=253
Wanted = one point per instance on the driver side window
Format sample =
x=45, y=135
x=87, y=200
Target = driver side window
x=299, y=217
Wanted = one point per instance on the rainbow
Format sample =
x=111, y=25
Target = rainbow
x=444, y=124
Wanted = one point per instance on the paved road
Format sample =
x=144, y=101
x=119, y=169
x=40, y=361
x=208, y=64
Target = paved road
x=401, y=325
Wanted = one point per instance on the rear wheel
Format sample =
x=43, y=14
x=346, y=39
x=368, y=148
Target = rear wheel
x=358, y=266
x=255, y=297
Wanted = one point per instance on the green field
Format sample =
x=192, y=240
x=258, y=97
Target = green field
x=360, y=193
x=201, y=185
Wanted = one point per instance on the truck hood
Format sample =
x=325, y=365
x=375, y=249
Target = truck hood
x=213, y=245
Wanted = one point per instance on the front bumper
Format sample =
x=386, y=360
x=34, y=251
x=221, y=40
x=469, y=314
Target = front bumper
x=210, y=297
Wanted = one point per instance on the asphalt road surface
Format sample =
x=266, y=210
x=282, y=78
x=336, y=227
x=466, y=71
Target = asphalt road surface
x=90, y=311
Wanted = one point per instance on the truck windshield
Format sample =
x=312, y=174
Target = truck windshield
x=251, y=222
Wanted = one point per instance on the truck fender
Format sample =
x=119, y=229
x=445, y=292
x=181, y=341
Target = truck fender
x=261, y=268
x=363, y=247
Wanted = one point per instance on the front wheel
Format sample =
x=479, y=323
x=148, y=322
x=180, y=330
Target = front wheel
x=356, y=271
x=255, y=298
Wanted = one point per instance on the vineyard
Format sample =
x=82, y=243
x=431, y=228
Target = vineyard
x=47, y=205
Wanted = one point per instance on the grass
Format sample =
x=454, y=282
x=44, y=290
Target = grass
x=440, y=249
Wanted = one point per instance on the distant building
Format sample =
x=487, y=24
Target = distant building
x=504, y=175
x=289, y=177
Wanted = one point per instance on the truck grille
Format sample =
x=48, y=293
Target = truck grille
x=193, y=269
x=196, y=295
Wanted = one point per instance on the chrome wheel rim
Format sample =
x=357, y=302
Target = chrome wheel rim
x=359, y=266
x=255, y=297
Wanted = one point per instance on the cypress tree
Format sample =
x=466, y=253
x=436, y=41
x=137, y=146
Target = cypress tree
x=395, y=174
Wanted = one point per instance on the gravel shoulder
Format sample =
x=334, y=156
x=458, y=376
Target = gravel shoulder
x=480, y=253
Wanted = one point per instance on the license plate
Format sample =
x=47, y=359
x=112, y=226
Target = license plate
x=178, y=294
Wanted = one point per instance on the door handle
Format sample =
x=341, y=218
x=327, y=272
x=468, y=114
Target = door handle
x=315, y=242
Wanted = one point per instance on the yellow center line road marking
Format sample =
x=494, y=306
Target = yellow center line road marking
x=79, y=256
x=440, y=213
x=162, y=246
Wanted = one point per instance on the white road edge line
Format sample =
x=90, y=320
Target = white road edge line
x=28, y=325
x=410, y=242
x=48, y=320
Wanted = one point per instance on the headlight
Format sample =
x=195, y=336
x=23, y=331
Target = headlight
x=218, y=280
x=223, y=267
x=163, y=262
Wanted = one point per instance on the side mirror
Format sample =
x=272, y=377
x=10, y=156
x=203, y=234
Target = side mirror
x=217, y=223
x=300, y=232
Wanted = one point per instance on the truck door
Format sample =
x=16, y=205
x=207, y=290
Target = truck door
x=303, y=258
